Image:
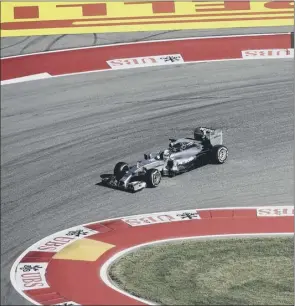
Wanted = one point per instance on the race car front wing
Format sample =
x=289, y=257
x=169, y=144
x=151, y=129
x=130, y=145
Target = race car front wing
x=111, y=181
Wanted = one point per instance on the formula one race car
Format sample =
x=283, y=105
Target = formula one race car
x=182, y=155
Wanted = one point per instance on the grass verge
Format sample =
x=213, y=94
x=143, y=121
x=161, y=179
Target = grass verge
x=248, y=271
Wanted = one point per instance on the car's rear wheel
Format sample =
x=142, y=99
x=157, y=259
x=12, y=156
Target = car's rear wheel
x=219, y=154
x=120, y=169
x=153, y=178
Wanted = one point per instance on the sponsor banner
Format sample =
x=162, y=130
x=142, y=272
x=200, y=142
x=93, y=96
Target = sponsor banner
x=147, y=61
x=149, y=219
x=31, y=276
x=268, y=53
x=57, y=242
x=22, y=18
x=273, y=211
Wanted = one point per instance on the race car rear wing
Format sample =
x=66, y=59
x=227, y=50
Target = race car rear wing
x=215, y=136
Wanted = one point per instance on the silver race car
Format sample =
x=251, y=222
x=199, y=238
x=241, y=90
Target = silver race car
x=182, y=155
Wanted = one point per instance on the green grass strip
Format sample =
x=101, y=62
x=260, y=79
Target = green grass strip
x=248, y=271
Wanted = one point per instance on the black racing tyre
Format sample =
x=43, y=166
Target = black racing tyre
x=120, y=169
x=219, y=154
x=153, y=177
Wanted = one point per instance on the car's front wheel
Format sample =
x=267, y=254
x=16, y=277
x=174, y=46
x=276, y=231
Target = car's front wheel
x=153, y=178
x=120, y=169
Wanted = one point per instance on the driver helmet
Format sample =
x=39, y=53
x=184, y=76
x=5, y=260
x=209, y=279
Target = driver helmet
x=199, y=134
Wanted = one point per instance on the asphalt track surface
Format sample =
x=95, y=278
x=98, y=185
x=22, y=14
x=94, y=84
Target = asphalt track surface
x=59, y=135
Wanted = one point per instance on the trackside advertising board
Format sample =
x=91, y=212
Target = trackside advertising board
x=273, y=211
x=154, y=218
x=147, y=61
x=268, y=53
x=58, y=241
x=31, y=275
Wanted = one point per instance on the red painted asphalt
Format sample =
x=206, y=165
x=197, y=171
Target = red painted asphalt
x=79, y=281
x=92, y=59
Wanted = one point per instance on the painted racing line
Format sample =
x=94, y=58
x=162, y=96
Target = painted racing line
x=145, y=54
x=70, y=267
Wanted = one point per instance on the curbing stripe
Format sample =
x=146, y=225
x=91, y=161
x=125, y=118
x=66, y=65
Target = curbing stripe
x=11, y=81
x=33, y=77
x=18, y=260
x=144, y=42
x=284, y=36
